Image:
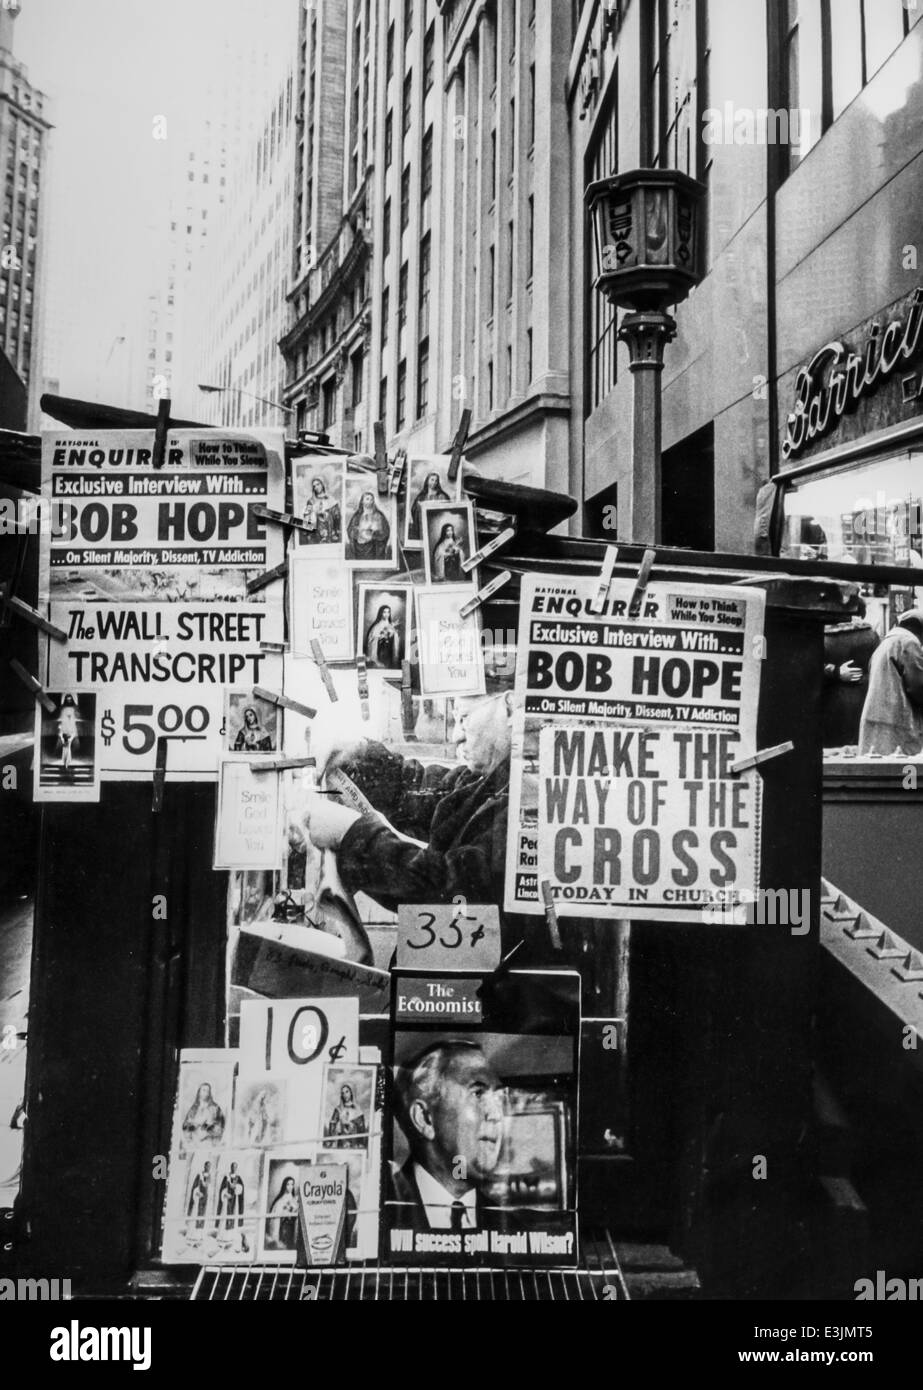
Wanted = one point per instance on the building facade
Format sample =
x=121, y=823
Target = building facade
x=431, y=230
x=24, y=129
x=326, y=348
x=235, y=370
x=807, y=139
x=506, y=241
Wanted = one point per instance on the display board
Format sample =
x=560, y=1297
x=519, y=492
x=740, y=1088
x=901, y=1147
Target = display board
x=623, y=794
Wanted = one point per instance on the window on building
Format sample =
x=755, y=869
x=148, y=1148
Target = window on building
x=406, y=104
x=830, y=50
x=389, y=53
x=405, y=197
x=491, y=280
x=675, y=61
x=530, y=236
x=426, y=165
x=529, y=355
x=429, y=47
x=401, y=416
x=512, y=136
x=424, y=277
x=328, y=403
x=402, y=296
x=386, y=236
x=423, y=378
x=357, y=361
x=600, y=316
x=510, y=255
x=531, y=127
x=490, y=385
x=389, y=139
x=408, y=19
x=385, y=314
x=383, y=402
x=492, y=167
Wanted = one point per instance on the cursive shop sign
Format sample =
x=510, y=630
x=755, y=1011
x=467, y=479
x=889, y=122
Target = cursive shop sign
x=837, y=377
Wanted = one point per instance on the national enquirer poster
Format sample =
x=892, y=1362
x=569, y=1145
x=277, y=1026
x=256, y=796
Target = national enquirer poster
x=621, y=792
x=145, y=570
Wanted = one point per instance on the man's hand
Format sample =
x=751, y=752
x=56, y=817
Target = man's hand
x=849, y=672
x=326, y=822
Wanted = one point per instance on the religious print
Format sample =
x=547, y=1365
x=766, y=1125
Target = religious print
x=371, y=525
x=448, y=541
x=427, y=481
x=383, y=633
x=251, y=723
x=317, y=498
x=348, y=1106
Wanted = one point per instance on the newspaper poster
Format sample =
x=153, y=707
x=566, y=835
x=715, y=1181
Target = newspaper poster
x=145, y=571
x=622, y=794
x=66, y=765
x=164, y=668
x=120, y=531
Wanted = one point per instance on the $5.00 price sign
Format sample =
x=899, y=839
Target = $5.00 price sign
x=142, y=726
x=448, y=936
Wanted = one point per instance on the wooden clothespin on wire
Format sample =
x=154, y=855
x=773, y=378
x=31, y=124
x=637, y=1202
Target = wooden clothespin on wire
x=160, y=432
x=381, y=457
x=458, y=444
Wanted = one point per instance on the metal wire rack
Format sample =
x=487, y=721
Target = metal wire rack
x=597, y=1277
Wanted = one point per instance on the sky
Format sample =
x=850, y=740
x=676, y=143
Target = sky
x=109, y=68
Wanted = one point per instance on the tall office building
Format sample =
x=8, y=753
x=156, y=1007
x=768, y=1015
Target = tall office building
x=24, y=131
x=326, y=347
x=503, y=234
x=238, y=303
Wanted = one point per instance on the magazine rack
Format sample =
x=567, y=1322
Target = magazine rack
x=713, y=1066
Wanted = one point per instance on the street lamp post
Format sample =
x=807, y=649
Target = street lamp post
x=264, y=400
x=646, y=239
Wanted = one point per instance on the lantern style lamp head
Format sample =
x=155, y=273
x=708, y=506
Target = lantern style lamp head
x=646, y=234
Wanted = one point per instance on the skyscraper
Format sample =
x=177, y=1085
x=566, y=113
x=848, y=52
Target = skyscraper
x=23, y=145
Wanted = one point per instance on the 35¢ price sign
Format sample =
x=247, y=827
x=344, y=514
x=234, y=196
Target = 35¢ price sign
x=448, y=936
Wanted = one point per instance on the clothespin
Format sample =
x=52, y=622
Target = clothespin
x=261, y=580
x=641, y=583
x=279, y=518
x=458, y=444
x=487, y=550
x=283, y=702
x=605, y=579
x=160, y=773
x=363, y=677
x=38, y=690
x=381, y=457
x=551, y=916
x=274, y=648
x=763, y=756
x=160, y=432
x=25, y=611
x=283, y=764
x=407, y=719
x=317, y=653
x=397, y=471
x=484, y=594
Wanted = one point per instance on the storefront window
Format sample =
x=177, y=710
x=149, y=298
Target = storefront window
x=866, y=515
